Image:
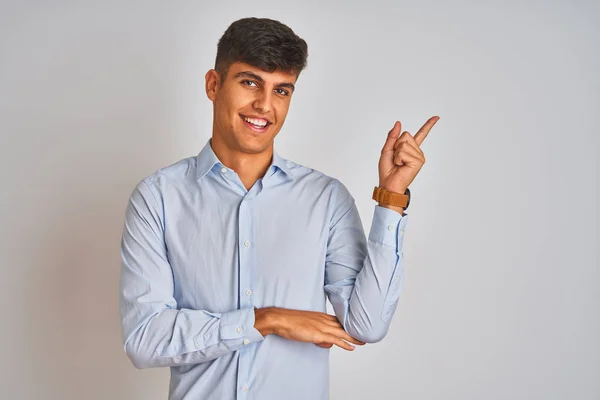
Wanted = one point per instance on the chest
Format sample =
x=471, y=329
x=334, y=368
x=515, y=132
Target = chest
x=260, y=250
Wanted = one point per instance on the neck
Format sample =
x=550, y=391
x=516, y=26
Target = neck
x=249, y=166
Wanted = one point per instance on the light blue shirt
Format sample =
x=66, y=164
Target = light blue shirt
x=199, y=252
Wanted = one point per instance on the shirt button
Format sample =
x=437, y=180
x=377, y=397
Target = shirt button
x=245, y=388
x=239, y=330
x=396, y=278
x=246, y=341
x=223, y=170
x=402, y=232
x=390, y=227
x=247, y=243
x=248, y=292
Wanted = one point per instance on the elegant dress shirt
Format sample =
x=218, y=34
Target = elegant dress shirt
x=199, y=251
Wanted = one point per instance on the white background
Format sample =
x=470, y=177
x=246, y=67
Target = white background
x=501, y=297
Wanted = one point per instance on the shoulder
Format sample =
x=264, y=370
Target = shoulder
x=320, y=181
x=169, y=176
x=176, y=173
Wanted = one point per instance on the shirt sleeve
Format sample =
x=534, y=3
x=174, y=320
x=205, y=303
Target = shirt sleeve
x=364, y=276
x=155, y=331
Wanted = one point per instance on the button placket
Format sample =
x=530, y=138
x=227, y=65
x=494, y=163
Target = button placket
x=246, y=246
x=246, y=251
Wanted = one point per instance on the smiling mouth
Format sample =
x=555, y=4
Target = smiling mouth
x=256, y=124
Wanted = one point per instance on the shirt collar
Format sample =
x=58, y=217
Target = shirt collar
x=207, y=159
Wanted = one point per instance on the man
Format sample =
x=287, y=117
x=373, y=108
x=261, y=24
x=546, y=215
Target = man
x=228, y=257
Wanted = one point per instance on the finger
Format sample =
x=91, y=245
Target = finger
x=350, y=339
x=353, y=340
x=341, y=333
x=334, y=339
x=392, y=137
x=344, y=335
x=334, y=324
x=402, y=138
x=325, y=345
x=424, y=131
x=413, y=143
x=404, y=158
x=409, y=149
x=340, y=343
x=330, y=317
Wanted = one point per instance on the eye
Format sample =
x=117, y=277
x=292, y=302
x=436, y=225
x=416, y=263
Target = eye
x=282, y=92
x=248, y=83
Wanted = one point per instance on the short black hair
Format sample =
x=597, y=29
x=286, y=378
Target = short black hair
x=263, y=43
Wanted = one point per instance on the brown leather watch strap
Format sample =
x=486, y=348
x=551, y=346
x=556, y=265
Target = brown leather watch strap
x=384, y=196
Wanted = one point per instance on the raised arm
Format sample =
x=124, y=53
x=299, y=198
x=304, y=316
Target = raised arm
x=156, y=333
x=363, y=277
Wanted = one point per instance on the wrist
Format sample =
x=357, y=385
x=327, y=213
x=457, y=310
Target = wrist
x=265, y=320
x=396, y=199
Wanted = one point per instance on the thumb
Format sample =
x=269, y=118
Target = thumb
x=391, y=139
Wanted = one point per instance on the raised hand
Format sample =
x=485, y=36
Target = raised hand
x=401, y=157
x=319, y=328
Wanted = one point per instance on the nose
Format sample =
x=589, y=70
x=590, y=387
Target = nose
x=262, y=102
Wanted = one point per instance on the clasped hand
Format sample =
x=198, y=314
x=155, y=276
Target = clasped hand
x=319, y=328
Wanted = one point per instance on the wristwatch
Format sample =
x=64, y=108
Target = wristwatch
x=386, y=197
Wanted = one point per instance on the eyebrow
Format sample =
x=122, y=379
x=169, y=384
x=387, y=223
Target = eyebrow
x=252, y=75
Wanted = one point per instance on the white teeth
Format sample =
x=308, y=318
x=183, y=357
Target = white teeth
x=257, y=122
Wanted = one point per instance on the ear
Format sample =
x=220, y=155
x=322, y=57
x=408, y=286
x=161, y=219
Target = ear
x=213, y=81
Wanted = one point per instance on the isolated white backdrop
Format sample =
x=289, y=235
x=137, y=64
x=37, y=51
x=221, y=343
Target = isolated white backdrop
x=501, y=296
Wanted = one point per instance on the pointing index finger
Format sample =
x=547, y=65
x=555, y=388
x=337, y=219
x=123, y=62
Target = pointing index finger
x=424, y=131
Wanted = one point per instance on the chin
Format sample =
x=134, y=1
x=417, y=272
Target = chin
x=250, y=143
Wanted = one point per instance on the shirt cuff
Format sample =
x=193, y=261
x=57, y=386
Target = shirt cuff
x=388, y=227
x=239, y=324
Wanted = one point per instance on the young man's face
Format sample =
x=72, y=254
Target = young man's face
x=250, y=105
